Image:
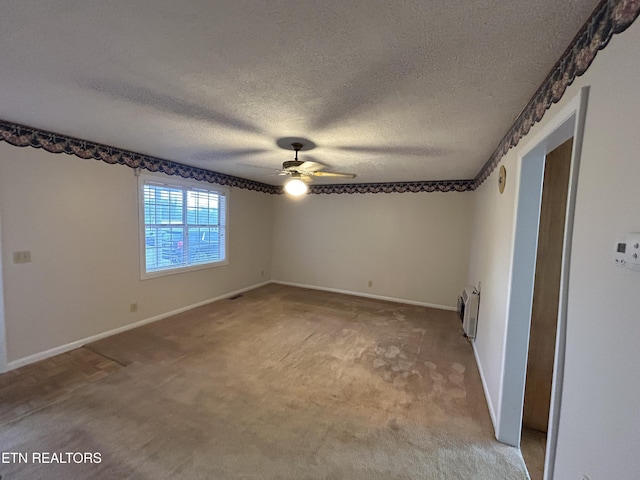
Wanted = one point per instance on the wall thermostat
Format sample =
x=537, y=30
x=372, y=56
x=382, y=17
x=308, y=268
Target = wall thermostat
x=627, y=252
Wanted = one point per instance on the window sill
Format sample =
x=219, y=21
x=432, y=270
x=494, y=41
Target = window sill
x=178, y=270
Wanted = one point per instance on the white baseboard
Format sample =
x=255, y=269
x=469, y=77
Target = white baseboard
x=79, y=343
x=492, y=412
x=367, y=295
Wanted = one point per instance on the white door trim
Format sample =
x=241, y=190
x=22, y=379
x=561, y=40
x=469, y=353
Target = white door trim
x=568, y=122
x=3, y=332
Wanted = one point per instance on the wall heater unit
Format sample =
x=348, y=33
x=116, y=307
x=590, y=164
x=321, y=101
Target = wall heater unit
x=468, y=304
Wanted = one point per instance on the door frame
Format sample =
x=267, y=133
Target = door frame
x=566, y=123
x=3, y=333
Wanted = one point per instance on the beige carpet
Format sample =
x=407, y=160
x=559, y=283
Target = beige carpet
x=282, y=383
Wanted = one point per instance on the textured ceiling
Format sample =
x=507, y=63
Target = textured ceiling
x=390, y=91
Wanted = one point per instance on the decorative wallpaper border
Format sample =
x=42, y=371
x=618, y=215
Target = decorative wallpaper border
x=609, y=18
x=21, y=136
x=398, y=187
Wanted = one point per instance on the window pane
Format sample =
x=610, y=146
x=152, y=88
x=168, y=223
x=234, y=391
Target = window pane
x=162, y=205
x=168, y=251
x=149, y=205
x=202, y=207
x=204, y=245
x=152, y=253
x=173, y=245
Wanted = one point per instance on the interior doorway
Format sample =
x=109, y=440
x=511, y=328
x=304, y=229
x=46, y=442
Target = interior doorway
x=544, y=311
x=568, y=122
x=3, y=343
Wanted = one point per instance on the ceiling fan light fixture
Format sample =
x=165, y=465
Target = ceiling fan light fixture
x=296, y=187
x=299, y=169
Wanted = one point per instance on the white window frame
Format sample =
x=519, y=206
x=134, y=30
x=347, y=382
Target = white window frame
x=182, y=184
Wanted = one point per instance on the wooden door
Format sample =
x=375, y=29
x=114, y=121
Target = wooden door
x=546, y=290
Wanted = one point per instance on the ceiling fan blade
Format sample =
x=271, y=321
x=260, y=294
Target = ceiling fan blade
x=309, y=167
x=333, y=174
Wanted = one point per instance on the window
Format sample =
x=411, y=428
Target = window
x=183, y=227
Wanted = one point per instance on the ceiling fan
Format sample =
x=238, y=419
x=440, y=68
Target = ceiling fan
x=300, y=170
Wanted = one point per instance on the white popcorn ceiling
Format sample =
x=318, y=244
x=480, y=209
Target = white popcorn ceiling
x=388, y=90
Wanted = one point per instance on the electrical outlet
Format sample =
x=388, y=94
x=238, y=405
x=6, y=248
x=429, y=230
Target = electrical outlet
x=133, y=307
x=370, y=283
x=23, y=256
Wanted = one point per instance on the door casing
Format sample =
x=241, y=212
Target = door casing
x=566, y=123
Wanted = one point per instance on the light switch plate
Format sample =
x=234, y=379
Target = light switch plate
x=23, y=256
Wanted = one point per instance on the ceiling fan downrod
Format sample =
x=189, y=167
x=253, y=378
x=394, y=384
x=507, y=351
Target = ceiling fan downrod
x=297, y=147
x=295, y=162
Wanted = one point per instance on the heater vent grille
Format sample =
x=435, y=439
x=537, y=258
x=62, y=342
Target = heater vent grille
x=468, y=303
